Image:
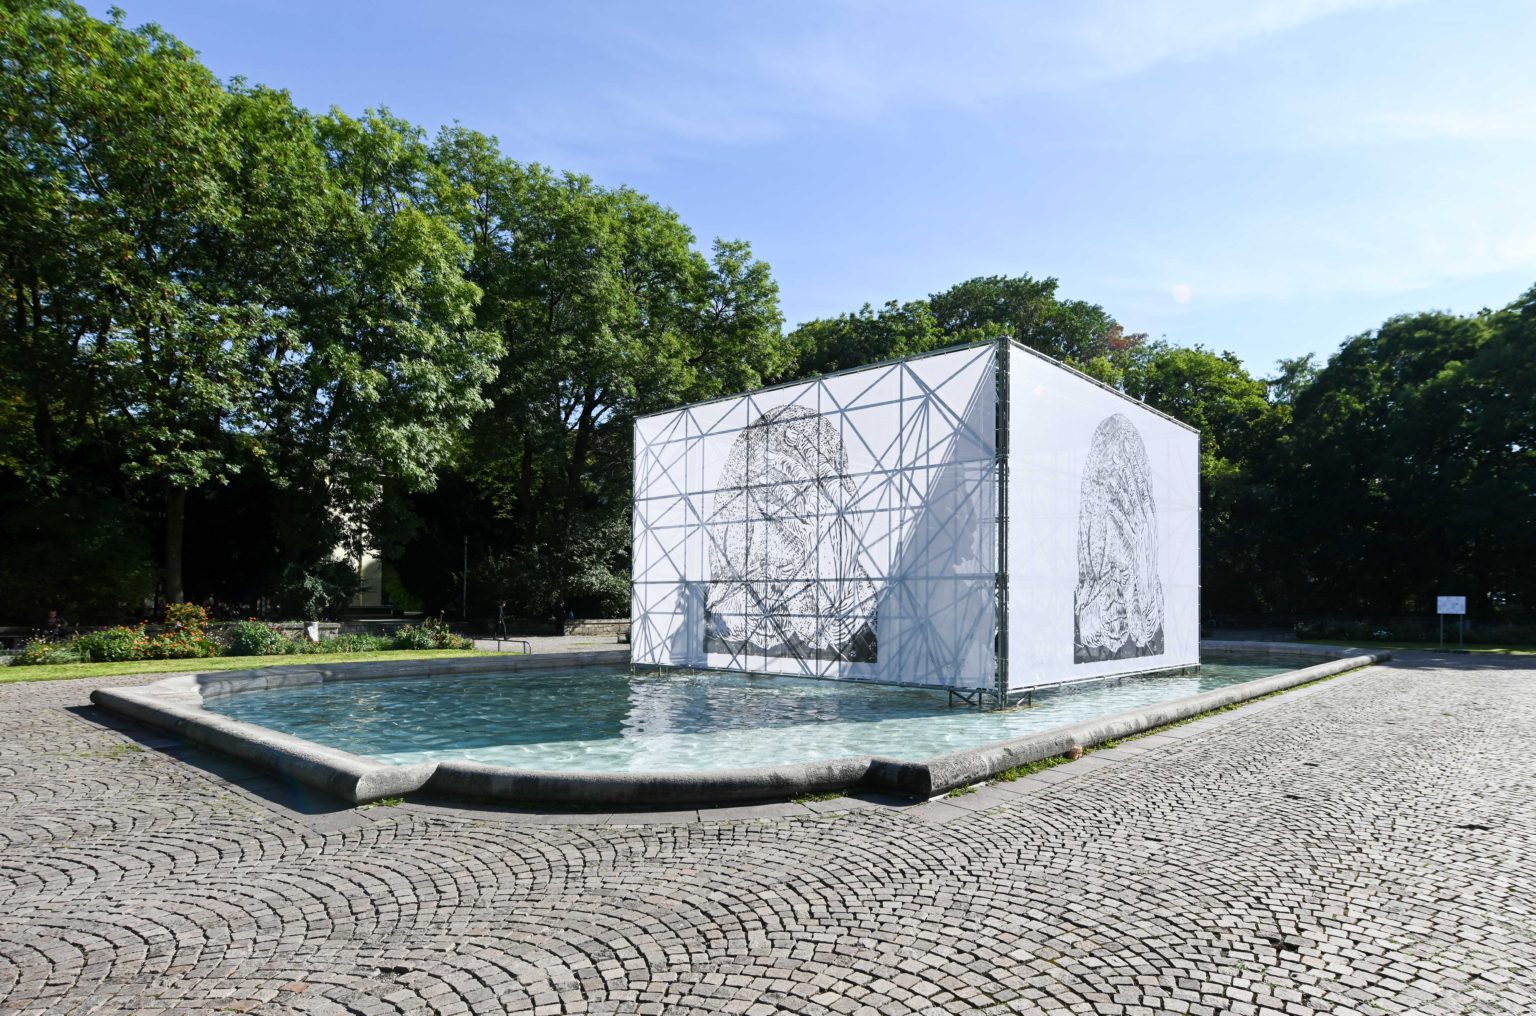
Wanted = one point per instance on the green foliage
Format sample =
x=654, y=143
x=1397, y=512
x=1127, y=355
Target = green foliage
x=122, y=644
x=1239, y=428
x=868, y=336
x=119, y=150
x=316, y=591
x=180, y=644
x=64, y=671
x=75, y=554
x=113, y=645
x=42, y=651
x=253, y=638
x=206, y=278
x=186, y=617
x=245, y=638
x=410, y=636
x=428, y=635
x=1420, y=438
x=604, y=310
x=1028, y=311
x=349, y=643
x=1024, y=309
x=396, y=593
x=1211, y=392
x=815, y=797
x=1029, y=768
x=1409, y=630
x=358, y=642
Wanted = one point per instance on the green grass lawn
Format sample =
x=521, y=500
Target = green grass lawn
x=1506, y=650
x=60, y=671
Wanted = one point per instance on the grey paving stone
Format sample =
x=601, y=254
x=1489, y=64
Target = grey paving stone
x=1367, y=847
x=653, y=817
x=773, y=809
x=1127, y=751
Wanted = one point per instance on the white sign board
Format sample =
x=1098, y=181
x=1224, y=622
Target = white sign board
x=1450, y=604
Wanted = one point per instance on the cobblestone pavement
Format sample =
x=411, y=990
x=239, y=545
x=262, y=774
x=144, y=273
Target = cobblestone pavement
x=1363, y=846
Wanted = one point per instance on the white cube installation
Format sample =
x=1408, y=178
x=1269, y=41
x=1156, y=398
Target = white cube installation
x=982, y=519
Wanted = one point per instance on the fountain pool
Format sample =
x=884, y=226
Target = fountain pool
x=613, y=721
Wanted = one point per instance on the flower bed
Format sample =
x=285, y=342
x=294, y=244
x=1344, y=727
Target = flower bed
x=186, y=635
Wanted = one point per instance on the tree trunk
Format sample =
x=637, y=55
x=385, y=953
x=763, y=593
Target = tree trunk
x=526, y=508
x=583, y=445
x=175, y=525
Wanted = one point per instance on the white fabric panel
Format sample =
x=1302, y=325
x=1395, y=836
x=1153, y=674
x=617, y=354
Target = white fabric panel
x=844, y=527
x=1103, y=531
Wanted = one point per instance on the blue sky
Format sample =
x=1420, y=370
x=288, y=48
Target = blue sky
x=1268, y=178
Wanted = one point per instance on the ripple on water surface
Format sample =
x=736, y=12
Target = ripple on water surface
x=613, y=721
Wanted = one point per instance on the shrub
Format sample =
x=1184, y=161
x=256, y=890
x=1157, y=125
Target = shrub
x=351, y=643
x=187, y=617
x=356, y=643
x=122, y=644
x=176, y=644
x=409, y=636
x=113, y=645
x=429, y=635
x=1496, y=633
x=252, y=638
x=40, y=651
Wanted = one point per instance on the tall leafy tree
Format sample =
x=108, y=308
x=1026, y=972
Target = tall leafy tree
x=1239, y=427
x=379, y=367
x=1412, y=466
x=606, y=310
x=864, y=337
x=116, y=159
x=1022, y=308
x=199, y=277
x=1028, y=311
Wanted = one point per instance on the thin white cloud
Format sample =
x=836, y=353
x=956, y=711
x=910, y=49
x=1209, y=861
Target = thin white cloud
x=1327, y=253
x=1474, y=121
x=765, y=72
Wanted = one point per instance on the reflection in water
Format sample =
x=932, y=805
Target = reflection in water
x=596, y=720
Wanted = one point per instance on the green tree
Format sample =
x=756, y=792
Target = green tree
x=1028, y=311
x=605, y=310
x=1239, y=427
x=199, y=277
x=1412, y=465
x=379, y=367
x=867, y=336
x=1292, y=378
x=1022, y=308
x=116, y=151
x=79, y=555
x=1211, y=392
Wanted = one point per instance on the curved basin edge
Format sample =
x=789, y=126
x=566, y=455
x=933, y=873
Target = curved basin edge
x=175, y=704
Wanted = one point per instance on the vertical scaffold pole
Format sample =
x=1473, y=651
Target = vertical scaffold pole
x=1001, y=413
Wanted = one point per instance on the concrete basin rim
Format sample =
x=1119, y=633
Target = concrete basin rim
x=175, y=704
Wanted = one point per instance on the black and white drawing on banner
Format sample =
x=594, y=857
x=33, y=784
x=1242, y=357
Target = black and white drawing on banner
x=1119, y=594
x=785, y=577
